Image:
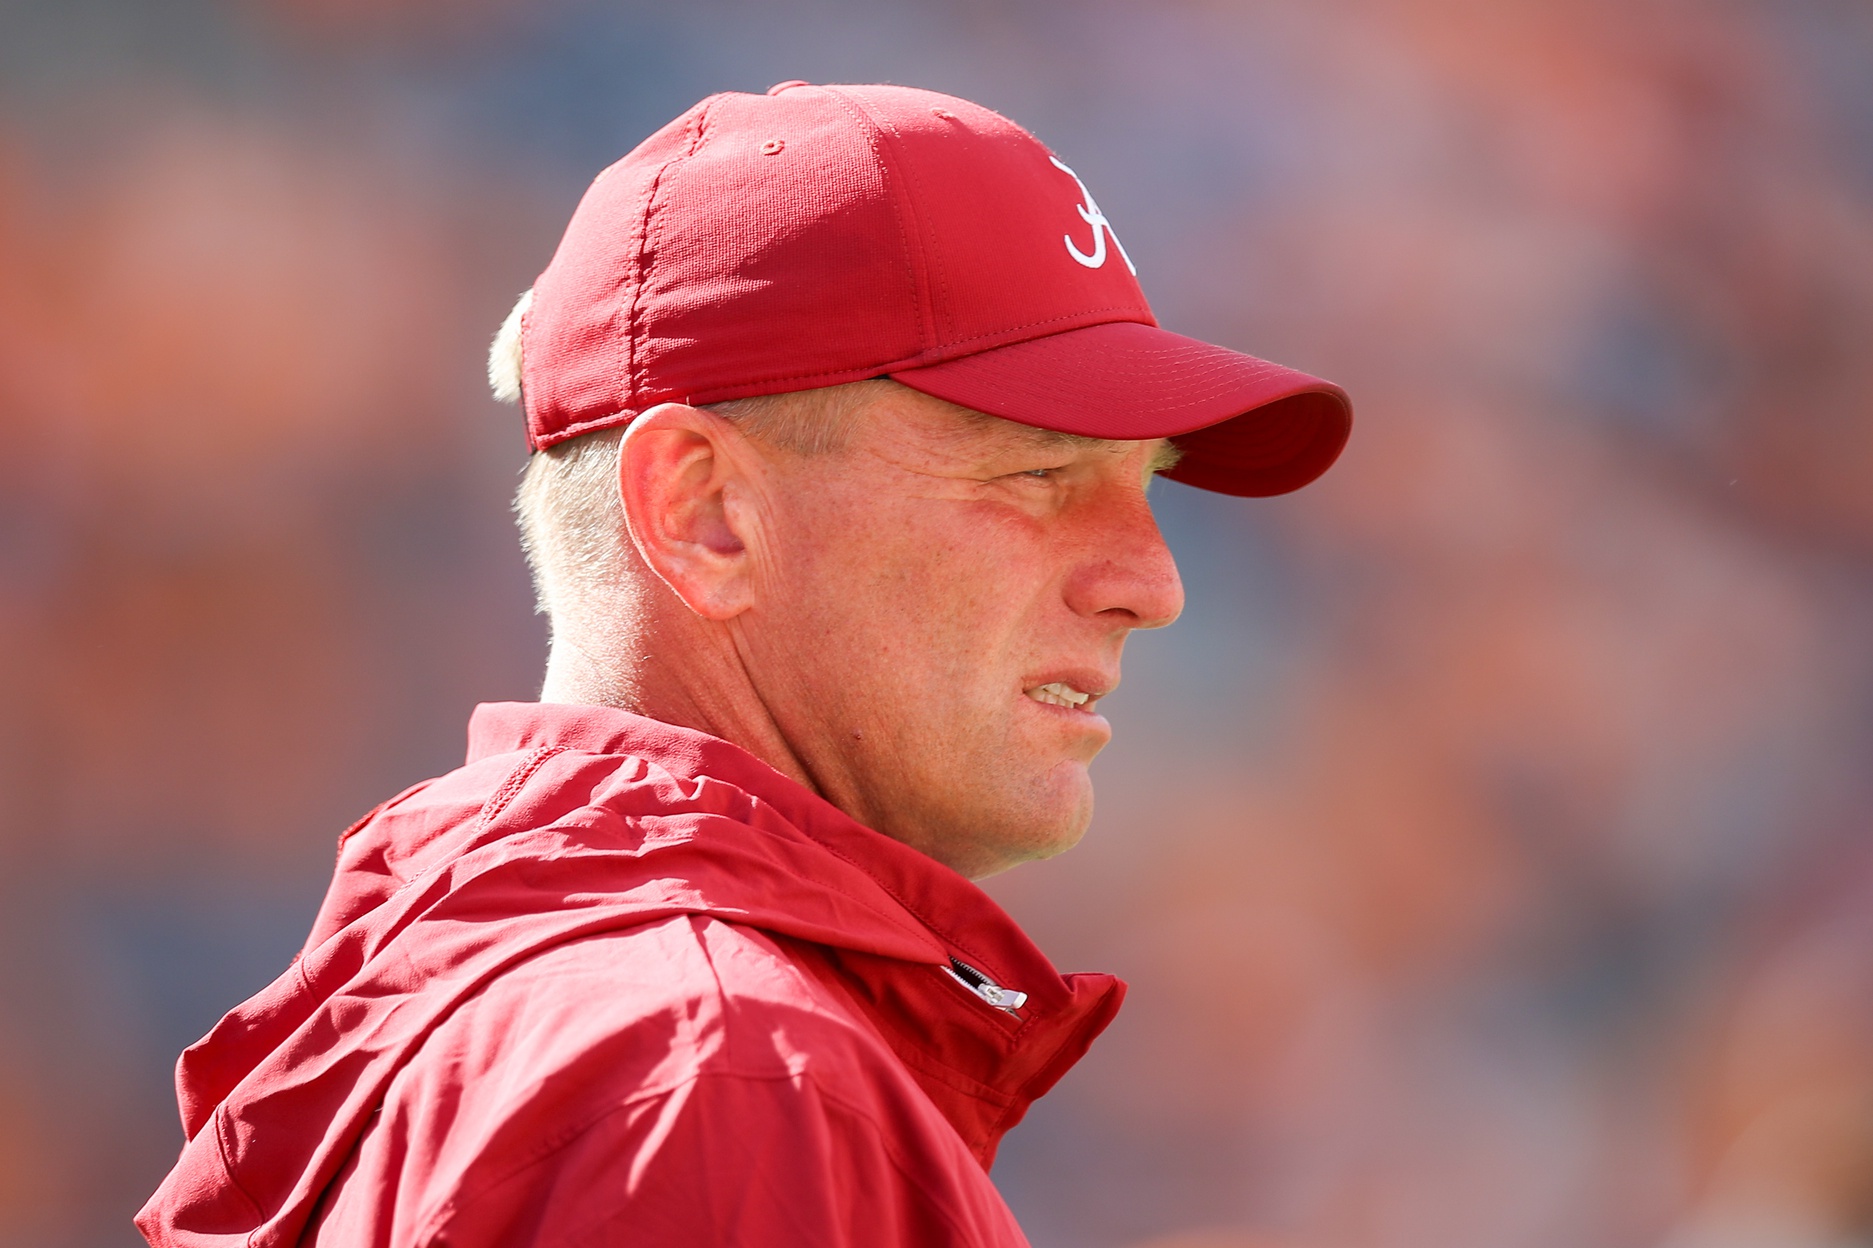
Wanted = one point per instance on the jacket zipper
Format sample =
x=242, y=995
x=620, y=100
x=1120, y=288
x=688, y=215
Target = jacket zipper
x=1007, y=1000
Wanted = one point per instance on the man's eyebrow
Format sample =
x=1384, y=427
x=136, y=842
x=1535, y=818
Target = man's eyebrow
x=1163, y=458
x=1054, y=438
x=1029, y=436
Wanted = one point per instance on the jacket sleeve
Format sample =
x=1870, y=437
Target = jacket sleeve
x=749, y=1161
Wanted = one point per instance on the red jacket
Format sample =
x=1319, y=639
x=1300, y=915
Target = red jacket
x=615, y=982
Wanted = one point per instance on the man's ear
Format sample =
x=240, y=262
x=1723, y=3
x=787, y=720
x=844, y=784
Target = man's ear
x=681, y=474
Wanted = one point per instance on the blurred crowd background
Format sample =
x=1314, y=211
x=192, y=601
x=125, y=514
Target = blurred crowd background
x=1489, y=846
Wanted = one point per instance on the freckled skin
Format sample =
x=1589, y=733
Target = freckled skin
x=873, y=618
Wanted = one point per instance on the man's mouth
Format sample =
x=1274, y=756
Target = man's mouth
x=1058, y=693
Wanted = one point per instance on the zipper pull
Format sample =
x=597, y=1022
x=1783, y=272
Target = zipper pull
x=1007, y=1000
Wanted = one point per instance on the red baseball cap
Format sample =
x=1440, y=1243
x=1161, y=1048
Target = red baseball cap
x=818, y=235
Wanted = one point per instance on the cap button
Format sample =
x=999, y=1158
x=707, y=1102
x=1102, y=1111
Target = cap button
x=788, y=85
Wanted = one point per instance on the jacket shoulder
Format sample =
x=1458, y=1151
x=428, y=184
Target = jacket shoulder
x=650, y=1004
x=433, y=821
x=607, y=1036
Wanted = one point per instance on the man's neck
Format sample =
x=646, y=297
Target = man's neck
x=580, y=672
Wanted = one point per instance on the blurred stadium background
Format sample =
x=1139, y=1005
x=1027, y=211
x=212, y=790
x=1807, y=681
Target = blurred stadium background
x=1488, y=847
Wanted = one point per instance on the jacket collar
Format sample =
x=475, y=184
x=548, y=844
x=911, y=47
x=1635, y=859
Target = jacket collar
x=982, y=1066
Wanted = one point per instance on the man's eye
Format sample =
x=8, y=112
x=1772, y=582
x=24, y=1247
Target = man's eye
x=1034, y=474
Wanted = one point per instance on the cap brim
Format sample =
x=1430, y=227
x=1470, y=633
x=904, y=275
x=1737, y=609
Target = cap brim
x=1245, y=426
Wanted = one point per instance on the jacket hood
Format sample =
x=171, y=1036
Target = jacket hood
x=567, y=822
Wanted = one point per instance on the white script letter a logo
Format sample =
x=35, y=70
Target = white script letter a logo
x=1089, y=212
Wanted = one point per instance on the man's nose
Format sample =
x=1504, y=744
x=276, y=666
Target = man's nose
x=1127, y=574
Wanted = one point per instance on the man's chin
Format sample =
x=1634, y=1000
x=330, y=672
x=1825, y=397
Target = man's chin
x=1050, y=822
x=980, y=814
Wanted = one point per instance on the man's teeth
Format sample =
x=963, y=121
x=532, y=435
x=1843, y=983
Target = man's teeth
x=1057, y=694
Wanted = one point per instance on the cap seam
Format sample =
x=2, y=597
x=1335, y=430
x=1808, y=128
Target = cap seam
x=526, y=402
x=871, y=130
x=593, y=425
x=935, y=274
x=910, y=205
x=634, y=367
x=1051, y=320
x=919, y=360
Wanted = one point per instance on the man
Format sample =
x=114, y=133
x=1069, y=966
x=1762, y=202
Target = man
x=844, y=402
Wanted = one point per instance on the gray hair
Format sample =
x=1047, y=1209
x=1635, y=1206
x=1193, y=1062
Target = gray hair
x=568, y=508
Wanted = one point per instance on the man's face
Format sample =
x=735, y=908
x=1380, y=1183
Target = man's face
x=942, y=607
